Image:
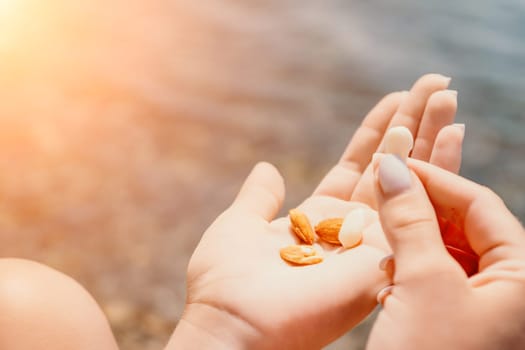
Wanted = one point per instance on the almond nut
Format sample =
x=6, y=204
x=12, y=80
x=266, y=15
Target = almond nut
x=300, y=255
x=301, y=226
x=351, y=233
x=399, y=140
x=328, y=230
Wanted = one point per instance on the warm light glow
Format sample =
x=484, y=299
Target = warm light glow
x=4, y=4
x=8, y=8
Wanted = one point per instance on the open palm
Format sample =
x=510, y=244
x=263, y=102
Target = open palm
x=236, y=274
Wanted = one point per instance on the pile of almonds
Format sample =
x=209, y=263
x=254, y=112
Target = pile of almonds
x=346, y=232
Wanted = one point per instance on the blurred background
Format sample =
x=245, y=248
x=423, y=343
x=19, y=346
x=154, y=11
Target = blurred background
x=126, y=127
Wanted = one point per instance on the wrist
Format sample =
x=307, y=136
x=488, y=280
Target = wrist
x=206, y=327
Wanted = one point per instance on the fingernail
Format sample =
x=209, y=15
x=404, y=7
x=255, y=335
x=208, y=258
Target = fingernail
x=393, y=175
x=448, y=79
x=404, y=94
x=387, y=264
x=385, y=261
x=452, y=92
x=382, y=294
x=460, y=126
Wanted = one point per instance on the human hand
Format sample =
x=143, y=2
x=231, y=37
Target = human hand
x=433, y=304
x=427, y=110
x=241, y=294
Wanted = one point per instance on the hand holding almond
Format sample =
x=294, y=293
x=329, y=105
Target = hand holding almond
x=241, y=294
x=433, y=304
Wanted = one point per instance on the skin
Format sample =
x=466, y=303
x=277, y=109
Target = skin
x=433, y=304
x=44, y=309
x=242, y=295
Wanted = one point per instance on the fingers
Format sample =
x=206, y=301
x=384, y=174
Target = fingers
x=368, y=136
x=410, y=111
x=448, y=146
x=402, y=108
x=262, y=193
x=439, y=112
x=341, y=179
x=491, y=229
x=409, y=221
x=409, y=114
x=363, y=191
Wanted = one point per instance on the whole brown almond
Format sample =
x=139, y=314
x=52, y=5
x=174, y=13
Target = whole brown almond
x=301, y=226
x=300, y=255
x=328, y=230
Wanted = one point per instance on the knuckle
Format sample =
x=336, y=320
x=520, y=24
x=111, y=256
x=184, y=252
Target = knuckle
x=410, y=219
x=350, y=166
x=427, y=266
x=410, y=229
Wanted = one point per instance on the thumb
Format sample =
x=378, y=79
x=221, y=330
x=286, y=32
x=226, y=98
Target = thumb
x=262, y=193
x=409, y=220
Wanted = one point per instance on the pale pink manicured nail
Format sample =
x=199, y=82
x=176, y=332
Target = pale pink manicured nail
x=388, y=265
x=383, y=293
x=452, y=92
x=460, y=126
x=393, y=175
x=385, y=261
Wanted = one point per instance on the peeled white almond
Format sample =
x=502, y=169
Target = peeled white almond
x=371, y=216
x=399, y=140
x=373, y=235
x=351, y=232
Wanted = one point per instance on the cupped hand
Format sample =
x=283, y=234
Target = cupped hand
x=236, y=274
x=242, y=295
x=433, y=304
